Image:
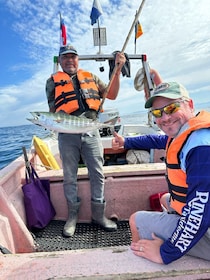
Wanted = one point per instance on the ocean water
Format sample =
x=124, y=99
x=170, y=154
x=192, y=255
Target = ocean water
x=12, y=139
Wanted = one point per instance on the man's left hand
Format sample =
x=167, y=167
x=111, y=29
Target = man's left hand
x=120, y=59
x=148, y=249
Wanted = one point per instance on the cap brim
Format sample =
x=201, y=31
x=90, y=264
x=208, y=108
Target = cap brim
x=72, y=52
x=149, y=102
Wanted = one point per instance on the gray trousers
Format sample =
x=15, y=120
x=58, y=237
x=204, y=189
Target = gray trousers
x=163, y=225
x=89, y=147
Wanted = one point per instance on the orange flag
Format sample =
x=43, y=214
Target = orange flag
x=138, y=30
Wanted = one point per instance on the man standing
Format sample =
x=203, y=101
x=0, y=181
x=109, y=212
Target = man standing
x=78, y=92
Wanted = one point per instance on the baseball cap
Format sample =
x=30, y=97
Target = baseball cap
x=67, y=49
x=172, y=90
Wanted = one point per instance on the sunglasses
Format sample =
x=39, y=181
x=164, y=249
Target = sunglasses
x=169, y=109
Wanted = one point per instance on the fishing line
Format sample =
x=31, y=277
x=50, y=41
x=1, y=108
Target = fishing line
x=123, y=49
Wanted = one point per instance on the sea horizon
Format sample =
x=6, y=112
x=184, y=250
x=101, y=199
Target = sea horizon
x=13, y=138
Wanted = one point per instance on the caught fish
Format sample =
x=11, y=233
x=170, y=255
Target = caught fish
x=62, y=122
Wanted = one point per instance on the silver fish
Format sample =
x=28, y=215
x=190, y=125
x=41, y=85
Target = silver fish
x=62, y=122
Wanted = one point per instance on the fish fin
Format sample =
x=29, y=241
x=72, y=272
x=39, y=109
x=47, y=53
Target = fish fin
x=57, y=121
x=89, y=134
x=112, y=121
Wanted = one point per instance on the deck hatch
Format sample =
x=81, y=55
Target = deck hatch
x=86, y=236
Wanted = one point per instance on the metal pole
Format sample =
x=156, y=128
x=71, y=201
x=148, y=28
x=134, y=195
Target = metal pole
x=123, y=49
x=133, y=25
x=99, y=37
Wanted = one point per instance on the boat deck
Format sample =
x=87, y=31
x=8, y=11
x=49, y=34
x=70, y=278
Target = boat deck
x=87, y=236
x=111, y=263
x=127, y=189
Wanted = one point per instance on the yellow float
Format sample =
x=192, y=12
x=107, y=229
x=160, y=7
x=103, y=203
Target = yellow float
x=44, y=153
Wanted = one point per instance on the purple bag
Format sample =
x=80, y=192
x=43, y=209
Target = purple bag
x=38, y=206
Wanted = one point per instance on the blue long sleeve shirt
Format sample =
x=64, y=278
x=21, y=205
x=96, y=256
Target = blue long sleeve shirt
x=195, y=219
x=146, y=142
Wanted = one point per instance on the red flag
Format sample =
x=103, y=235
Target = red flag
x=63, y=40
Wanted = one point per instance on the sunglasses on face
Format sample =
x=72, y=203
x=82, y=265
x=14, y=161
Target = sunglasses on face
x=169, y=109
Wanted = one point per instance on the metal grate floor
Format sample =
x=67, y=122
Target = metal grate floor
x=86, y=236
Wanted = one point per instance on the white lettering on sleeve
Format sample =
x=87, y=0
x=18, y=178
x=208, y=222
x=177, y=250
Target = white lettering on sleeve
x=189, y=225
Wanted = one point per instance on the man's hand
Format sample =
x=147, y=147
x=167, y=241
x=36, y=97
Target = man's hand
x=120, y=60
x=117, y=141
x=148, y=249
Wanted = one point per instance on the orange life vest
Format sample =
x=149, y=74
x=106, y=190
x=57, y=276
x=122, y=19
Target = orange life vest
x=176, y=177
x=66, y=98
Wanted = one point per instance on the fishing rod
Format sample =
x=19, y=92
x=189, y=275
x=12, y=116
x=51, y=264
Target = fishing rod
x=27, y=163
x=123, y=49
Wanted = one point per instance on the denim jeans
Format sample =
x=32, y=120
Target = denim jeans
x=89, y=147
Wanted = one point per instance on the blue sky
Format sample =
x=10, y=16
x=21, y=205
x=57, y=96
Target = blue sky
x=176, y=40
